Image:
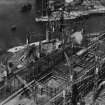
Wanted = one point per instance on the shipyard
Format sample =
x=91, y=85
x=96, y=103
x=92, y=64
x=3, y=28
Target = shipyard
x=52, y=52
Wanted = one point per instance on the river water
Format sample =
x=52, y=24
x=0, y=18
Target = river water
x=10, y=15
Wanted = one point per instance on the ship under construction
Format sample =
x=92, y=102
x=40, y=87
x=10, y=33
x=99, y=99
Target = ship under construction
x=66, y=70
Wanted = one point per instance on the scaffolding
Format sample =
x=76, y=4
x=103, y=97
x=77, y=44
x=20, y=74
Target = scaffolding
x=35, y=70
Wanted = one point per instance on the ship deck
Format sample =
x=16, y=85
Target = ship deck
x=72, y=15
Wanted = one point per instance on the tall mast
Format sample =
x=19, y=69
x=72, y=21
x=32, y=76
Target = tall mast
x=62, y=23
x=42, y=8
x=48, y=13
